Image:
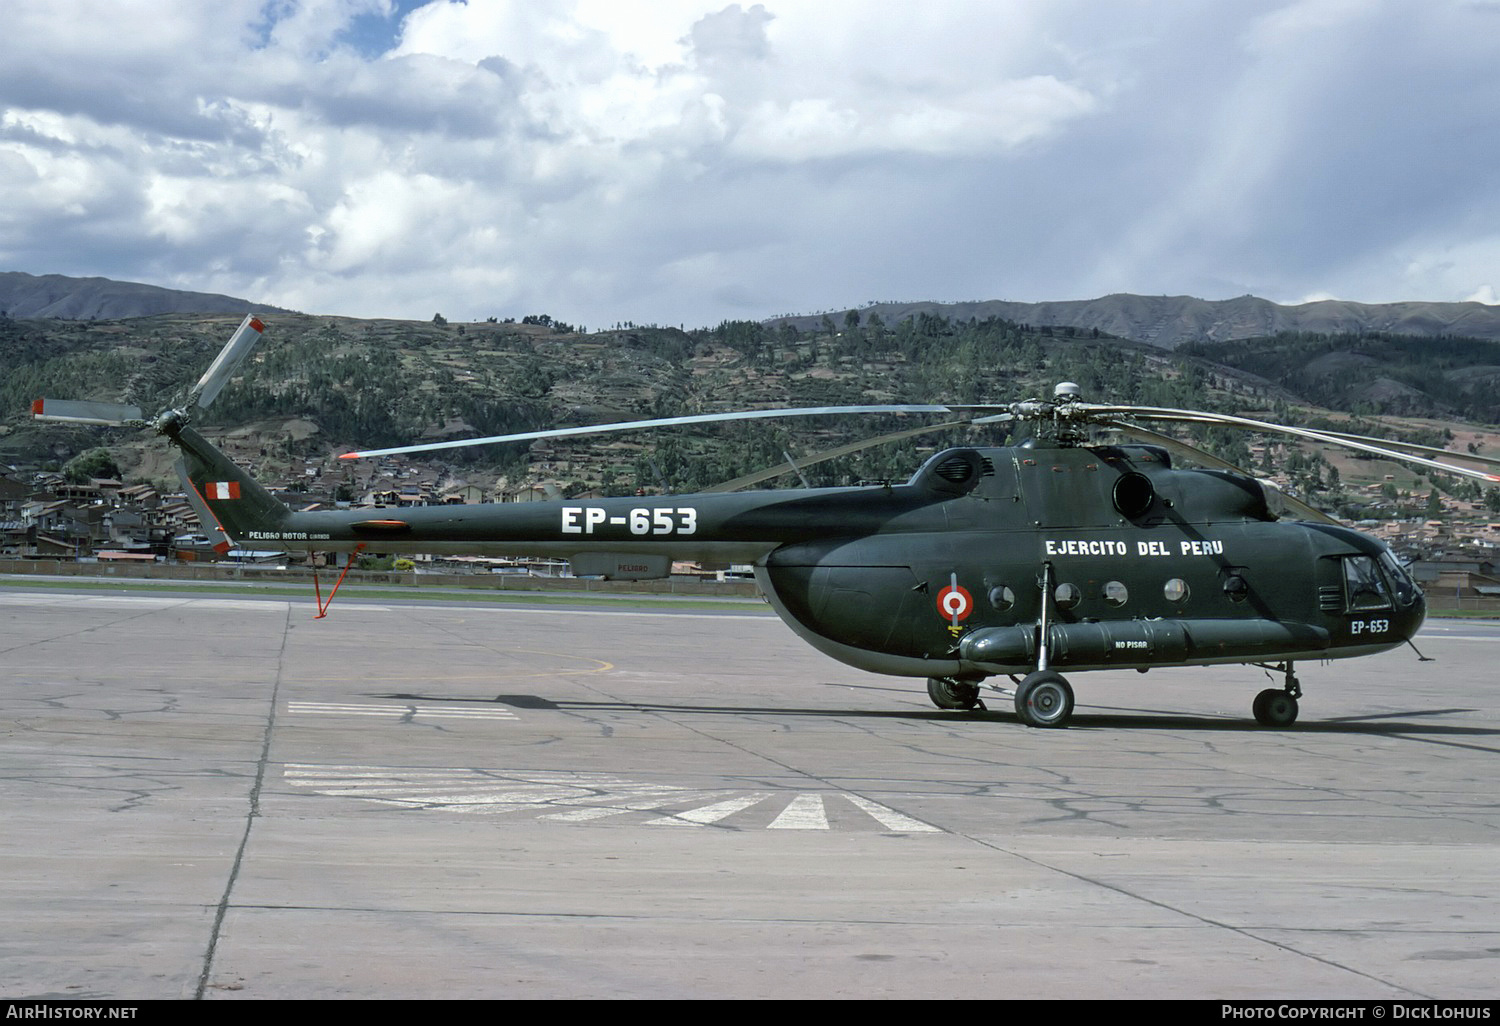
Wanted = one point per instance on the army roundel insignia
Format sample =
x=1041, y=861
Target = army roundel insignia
x=955, y=602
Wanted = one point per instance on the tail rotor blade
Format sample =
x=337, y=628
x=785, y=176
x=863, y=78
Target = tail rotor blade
x=230, y=357
x=77, y=411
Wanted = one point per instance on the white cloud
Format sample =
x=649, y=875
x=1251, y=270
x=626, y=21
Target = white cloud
x=687, y=160
x=1465, y=270
x=310, y=28
x=1304, y=21
x=733, y=35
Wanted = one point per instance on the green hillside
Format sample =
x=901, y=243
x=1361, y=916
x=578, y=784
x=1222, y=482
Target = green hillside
x=319, y=385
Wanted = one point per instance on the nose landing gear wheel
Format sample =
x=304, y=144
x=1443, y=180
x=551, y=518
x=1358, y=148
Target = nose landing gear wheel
x=947, y=693
x=1275, y=708
x=1044, y=699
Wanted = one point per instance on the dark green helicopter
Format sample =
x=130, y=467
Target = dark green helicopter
x=1017, y=562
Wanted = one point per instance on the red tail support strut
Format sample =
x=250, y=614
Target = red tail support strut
x=318, y=592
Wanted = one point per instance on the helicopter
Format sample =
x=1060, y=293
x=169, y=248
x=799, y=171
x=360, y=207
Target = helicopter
x=1014, y=562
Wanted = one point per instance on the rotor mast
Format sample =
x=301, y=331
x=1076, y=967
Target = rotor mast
x=1057, y=419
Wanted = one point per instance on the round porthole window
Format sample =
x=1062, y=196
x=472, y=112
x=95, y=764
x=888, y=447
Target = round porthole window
x=1115, y=594
x=1236, y=588
x=1002, y=598
x=1176, y=590
x=1067, y=596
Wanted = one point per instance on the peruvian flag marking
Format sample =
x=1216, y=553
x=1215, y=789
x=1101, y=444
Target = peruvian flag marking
x=222, y=490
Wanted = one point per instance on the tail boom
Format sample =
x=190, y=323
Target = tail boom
x=235, y=503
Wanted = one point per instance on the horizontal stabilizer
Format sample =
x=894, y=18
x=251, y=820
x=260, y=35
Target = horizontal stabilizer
x=78, y=411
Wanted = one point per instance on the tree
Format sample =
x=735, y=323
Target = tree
x=94, y=463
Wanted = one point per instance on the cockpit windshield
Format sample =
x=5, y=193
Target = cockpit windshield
x=1364, y=585
x=1406, y=589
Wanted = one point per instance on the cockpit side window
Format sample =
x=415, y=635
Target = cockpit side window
x=1406, y=589
x=1365, y=587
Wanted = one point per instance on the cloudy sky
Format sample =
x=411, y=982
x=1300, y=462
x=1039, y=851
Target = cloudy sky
x=686, y=161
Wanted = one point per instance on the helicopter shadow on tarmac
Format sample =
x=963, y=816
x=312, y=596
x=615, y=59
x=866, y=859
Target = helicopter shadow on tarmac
x=1397, y=723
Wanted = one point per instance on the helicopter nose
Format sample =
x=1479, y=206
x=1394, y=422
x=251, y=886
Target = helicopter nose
x=1412, y=615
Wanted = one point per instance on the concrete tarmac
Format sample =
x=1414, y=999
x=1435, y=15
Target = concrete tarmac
x=224, y=798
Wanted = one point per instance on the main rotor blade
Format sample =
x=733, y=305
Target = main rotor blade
x=230, y=357
x=1089, y=411
x=82, y=411
x=1208, y=459
x=828, y=454
x=635, y=425
x=1412, y=447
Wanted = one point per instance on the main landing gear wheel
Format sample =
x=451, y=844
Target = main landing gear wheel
x=1044, y=699
x=947, y=693
x=1275, y=708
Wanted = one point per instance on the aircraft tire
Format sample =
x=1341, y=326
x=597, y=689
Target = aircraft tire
x=1275, y=708
x=947, y=693
x=1044, y=699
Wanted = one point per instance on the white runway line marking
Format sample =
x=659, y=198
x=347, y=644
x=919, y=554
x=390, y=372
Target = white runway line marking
x=806, y=812
x=366, y=773
x=600, y=811
x=710, y=813
x=167, y=601
x=890, y=818
x=452, y=794
x=553, y=611
x=576, y=797
x=585, y=815
x=450, y=712
x=335, y=772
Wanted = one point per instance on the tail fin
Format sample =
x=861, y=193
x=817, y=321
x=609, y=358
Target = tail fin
x=238, y=506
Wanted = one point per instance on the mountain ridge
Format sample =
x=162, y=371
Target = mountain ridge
x=1171, y=321
x=1163, y=321
x=60, y=297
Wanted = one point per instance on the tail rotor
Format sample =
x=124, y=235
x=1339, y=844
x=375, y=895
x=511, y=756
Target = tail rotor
x=227, y=362
x=82, y=411
x=85, y=411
